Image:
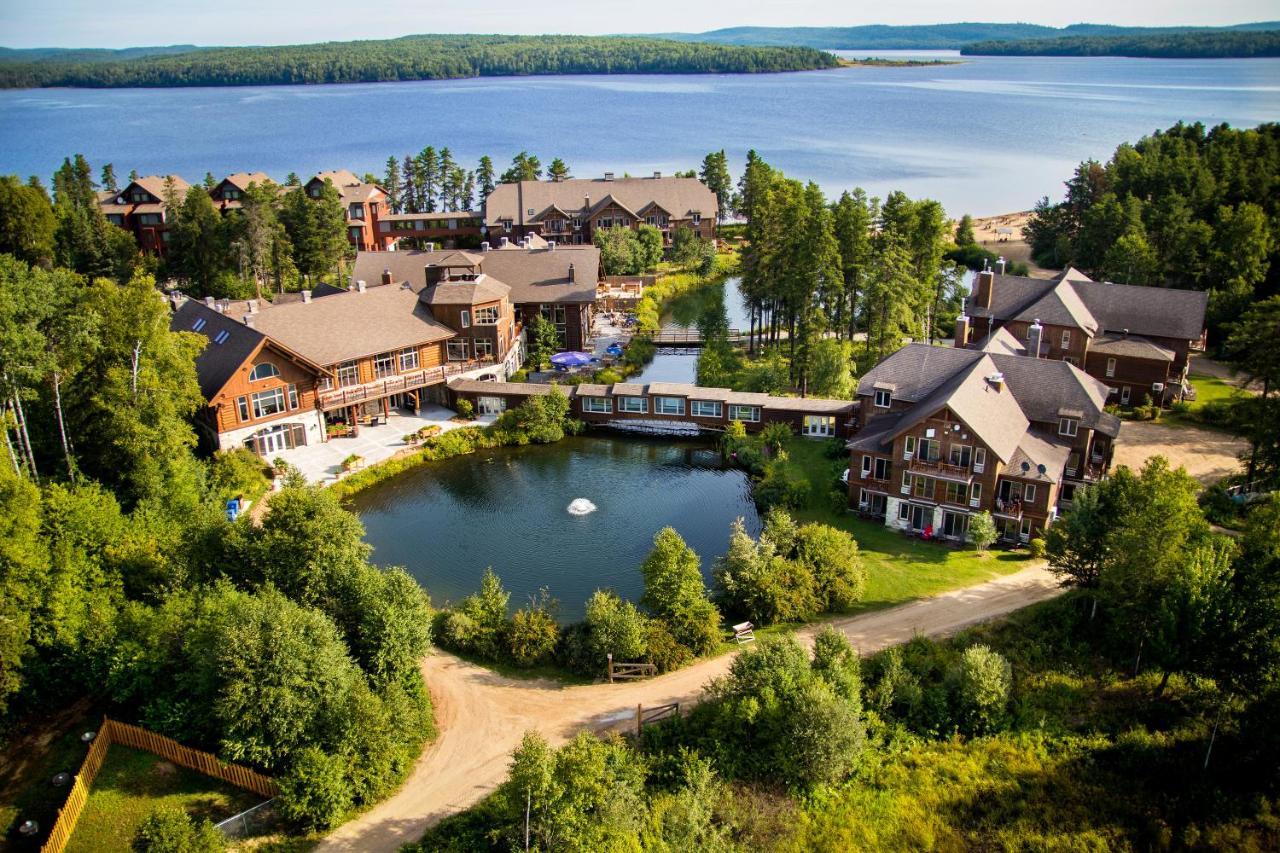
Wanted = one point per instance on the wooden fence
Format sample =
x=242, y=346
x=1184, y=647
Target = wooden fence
x=648, y=716
x=167, y=748
x=630, y=670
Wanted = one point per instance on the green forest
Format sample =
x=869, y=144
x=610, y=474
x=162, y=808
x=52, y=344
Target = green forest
x=422, y=57
x=1209, y=45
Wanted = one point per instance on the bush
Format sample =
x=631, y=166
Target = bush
x=614, y=627
x=533, y=633
x=986, y=680
x=352, y=462
x=606, y=376
x=239, y=473
x=465, y=409
x=782, y=486
x=521, y=375
x=982, y=530
x=775, y=434
x=169, y=829
x=479, y=623
x=662, y=649
x=838, y=572
x=1037, y=548
x=314, y=793
x=674, y=591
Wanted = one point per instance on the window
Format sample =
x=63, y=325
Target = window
x=819, y=425
x=1066, y=339
x=668, y=405
x=909, y=448
x=293, y=396
x=483, y=348
x=883, y=398
x=1068, y=426
x=1111, y=367
x=384, y=226
x=1068, y=493
x=746, y=414
x=466, y=319
x=604, y=223
x=957, y=493
x=556, y=315
x=487, y=316
x=267, y=403
x=242, y=406
x=922, y=487
x=960, y=455
x=222, y=336
x=384, y=364
x=866, y=467
x=1029, y=493
x=1124, y=395
x=597, y=404
x=198, y=324
x=635, y=405
x=882, y=469
x=457, y=349
x=705, y=408
x=906, y=482
x=697, y=218
x=930, y=450
x=348, y=374
x=409, y=359
x=1025, y=530
x=975, y=494
x=1073, y=463
x=979, y=459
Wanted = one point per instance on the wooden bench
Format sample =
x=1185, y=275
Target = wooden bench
x=744, y=632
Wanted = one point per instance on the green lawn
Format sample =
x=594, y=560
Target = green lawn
x=29, y=762
x=1209, y=389
x=898, y=568
x=132, y=783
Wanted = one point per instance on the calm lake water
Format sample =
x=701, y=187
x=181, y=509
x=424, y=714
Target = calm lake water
x=989, y=135
x=506, y=508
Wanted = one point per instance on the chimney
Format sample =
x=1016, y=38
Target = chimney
x=484, y=247
x=1000, y=262
x=248, y=320
x=209, y=303
x=657, y=175
x=306, y=296
x=360, y=286
x=386, y=276
x=997, y=380
x=551, y=245
x=570, y=272
x=1035, y=334
x=434, y=274
x=608, y=176
x=586, y=202
x=983, y=288
x=962, y=331
x=502, y=244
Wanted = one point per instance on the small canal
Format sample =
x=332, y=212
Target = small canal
x=720, y=303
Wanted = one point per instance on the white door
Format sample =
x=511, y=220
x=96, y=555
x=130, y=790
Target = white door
x=491, y=405
x=274, y=441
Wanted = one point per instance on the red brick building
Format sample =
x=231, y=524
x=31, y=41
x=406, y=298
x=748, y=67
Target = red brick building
x=363, y=206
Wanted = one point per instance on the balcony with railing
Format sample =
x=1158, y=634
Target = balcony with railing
x=940, y=470
x=1008, y=509
x=351, y=395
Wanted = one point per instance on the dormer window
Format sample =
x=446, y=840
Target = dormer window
x=883, y=398
x=266, y=370
x=1068, y=426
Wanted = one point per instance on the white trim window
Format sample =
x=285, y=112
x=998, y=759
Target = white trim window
x=267, y=403
x=465, y=320
x=746, y=414
x=668, y=405
x=266, y=370
x=1111, y=368
x=384, y=364
x=634, y=405
x=1066, y=339
x=909, y=448
x=483, y=348
x=602, y=405
x=979, y=459
x=866, y=467
x=1068, y=427
x=348, y=374
x=819, y=426
x=1125, y=393
x=883, y=398
x=457, y=349
x=293, y=396
x=906, y=482
x=706, y=408
x=1029, y=493
x=975, y=495
x=409, y=359
x=487, y=315
x=242, y=408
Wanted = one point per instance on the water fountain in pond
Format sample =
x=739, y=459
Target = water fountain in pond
x=581, y=506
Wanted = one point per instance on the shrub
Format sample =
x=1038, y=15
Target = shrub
x=1180, y=407
x=775, y=434
x=314, y=793
x=662, y=649
x=614, y=627
x=533, y=633
x=520, y=375
x=465, y=409
x=607, y=376
x=838, y=572
x=674, y=591
x=239, y=472
x=984, y=685
x=1037, y=548
x=982, y=530
x=169, y=829
x=782, y=486
x=478, y=624
x=352, y=462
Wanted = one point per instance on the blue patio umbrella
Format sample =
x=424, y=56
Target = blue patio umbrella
x=572, y=358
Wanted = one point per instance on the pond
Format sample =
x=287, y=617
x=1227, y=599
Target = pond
x=722, y=302
x=508, y=508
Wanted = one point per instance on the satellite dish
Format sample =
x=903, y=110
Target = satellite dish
x=1040, y=468
x=1026, y=466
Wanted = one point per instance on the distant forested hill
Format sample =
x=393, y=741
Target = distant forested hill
x=89, y=54
x=422, y=57
x=929, y=36
x=1172, y=45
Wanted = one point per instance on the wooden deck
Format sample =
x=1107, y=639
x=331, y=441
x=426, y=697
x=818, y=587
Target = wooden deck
x=351, y=395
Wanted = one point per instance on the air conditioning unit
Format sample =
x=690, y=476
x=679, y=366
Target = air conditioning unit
x=1157, y=386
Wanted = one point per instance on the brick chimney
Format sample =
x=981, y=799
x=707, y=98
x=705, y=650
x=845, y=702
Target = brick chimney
x=962, y=331
x=386, y=276
x=570, y=272
x=984, y=289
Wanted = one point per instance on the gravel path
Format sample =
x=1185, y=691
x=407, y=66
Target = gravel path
x=482, y=716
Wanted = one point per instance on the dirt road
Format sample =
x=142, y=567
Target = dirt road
x=482, y=716
x=1208, y=455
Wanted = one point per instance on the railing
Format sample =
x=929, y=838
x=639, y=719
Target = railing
x=1009, y=509
x=682, y=336
x=352, y=394
x=649, y=716
x=940, y=469
x=630, y=670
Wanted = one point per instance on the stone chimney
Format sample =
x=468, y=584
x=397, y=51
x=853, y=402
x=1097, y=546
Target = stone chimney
x=586, y=202
x=571, y=272
x=984, y=288
x=386, y=276
x=962, y=331
x=306, y=296
x=1035, y=334
x=360, y=286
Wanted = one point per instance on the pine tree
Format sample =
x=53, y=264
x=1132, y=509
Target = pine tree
x=109, y=178
x=446, y=181
x=558, y=170
x=391, y=183
x=426, y=168
x=484, y=178
x=715, y=174
x=409, y=186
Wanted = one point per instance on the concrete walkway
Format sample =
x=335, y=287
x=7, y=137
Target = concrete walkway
x=322, y=463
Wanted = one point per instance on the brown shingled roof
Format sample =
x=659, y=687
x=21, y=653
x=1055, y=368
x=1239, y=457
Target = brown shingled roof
x=472, y=291
x=534, y=275
x=678, y=196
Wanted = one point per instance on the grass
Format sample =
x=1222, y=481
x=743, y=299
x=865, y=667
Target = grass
x=29, y=763
x=131, y=784
x=1209, y=389
x=899, y=569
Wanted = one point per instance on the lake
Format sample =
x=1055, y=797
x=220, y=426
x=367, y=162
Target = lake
x=507, y=508
x=987, y=135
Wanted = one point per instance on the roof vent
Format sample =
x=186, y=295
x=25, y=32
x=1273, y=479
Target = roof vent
x=996, y=379
x=253, y=306
x=306, y=296
x=1001, y=262
x=431, y=247
x=608, y=176
x=551, y=245
x=570, y=272
x=248, y=320
x=209, y=302
x=503, y=243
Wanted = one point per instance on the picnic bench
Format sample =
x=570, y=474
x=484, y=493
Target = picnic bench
x=744, y=632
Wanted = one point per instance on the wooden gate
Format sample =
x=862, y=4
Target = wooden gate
x=649, y=716
x=630, y=670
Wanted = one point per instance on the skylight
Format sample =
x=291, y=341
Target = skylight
x=221, y=337
x=198, y=324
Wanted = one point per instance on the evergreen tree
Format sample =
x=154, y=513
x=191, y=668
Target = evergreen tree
x=524, y=167
x=852, y=225
x=448, y=184
x=391, y=183
x=409, y=192
x=426, y=177
x=27, y=222
x=198, y=251
x=558, y=170
x=109, y=178
x=715, y=174
x=964, y=231
x=484, y=178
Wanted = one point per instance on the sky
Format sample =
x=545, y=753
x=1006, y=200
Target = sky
x=126, y=23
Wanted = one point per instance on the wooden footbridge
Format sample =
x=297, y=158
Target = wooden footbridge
x=687, y=338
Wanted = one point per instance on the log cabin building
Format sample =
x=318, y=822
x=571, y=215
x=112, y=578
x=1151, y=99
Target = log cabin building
x=142, y=209
x=1137, y=340
x=229, y=192
x=569, y=211
x=558, y=283
x=946, y=433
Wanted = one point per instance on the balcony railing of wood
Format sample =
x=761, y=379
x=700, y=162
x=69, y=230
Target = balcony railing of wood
x=941, y=470
x=350, y=395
